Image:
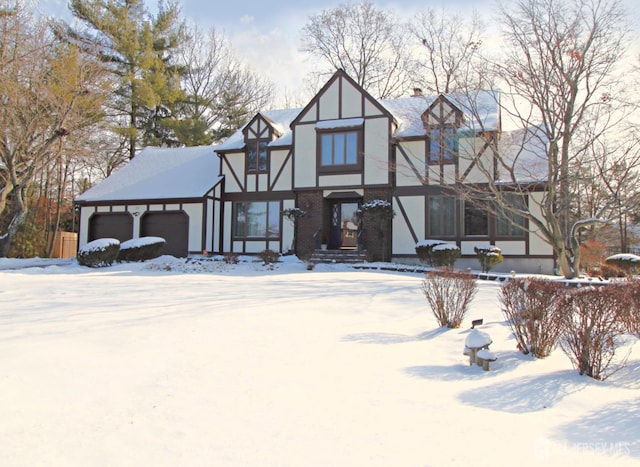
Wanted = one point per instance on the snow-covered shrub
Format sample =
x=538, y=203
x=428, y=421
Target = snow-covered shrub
x=424, y=250
x=445, y=255
x=632, y=319
x=488, y=256
x=269, y=256
x=593, y=320
x=532, y=312
x=99, y=253
x=629, y=263
x=449, y=294
x=141, y=249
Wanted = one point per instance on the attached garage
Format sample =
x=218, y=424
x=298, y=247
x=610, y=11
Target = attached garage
x=172, y=226
x=118, y=225
x=173, y=193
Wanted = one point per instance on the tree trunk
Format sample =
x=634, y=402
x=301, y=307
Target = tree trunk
x=14, y=225
x=569, y=261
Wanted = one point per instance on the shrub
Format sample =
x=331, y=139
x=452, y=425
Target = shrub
x=629, y=263
x=532, y=312
x=424, y=250
x=231, y=258
x=99, y=253
x=489, y=256
x=592, y=254
x=609, y=270
x=449, y=294
x=592, y=321
x=141, y=249
x=445, y=255
x=632, y=317
x=269, y=256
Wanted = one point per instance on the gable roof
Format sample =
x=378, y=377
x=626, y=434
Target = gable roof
x=160, y=173
x=340, y=74
x=481, y=111
x=279, y=119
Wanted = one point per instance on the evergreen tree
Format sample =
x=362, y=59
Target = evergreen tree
x=137, y=48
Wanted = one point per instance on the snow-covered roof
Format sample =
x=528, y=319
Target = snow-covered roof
x=280, y=119
x=480, y=109
x=524, y=151
x=481, y=112
x=160, y=173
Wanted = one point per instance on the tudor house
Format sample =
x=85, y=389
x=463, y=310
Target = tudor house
x=343, y=149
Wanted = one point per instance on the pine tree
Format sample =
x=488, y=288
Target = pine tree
x=137, y=48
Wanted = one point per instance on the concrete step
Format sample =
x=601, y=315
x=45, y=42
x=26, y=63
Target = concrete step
x=338, y=256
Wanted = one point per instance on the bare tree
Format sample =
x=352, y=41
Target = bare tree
x=368, y=43
x=221, y=92
x=48, y=93
x=448, y=44
x=562, y=88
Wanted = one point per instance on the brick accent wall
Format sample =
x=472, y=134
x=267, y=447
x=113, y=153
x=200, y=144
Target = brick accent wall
x=313, y=203
x=378, y=248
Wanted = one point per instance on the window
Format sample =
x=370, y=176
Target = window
x=257, y=155
x=510, y=224
x=476, y=218
x=442, y=216
x=339, y=149
x=257, y=219
x=443, y=145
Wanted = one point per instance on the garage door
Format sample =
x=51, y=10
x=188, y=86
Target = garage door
x=172, y=226
x=117, y=225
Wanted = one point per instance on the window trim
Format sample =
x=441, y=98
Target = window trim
x=441, y=160
x=340, y=168
x=255, y=143
x=430, y=233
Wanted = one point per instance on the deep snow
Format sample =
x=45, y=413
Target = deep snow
x=171, y=363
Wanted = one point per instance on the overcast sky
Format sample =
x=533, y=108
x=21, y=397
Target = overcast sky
x=266, y=35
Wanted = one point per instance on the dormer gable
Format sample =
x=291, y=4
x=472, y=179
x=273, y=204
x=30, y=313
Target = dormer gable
x=442, y=113
x=261, y=128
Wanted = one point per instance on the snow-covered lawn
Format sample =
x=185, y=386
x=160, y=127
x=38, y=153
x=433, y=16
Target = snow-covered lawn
x=205, y=364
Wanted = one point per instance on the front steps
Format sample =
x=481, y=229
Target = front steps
x=338, y=256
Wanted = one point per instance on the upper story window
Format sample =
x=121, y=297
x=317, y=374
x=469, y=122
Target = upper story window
x=339, y=149
x=443, y=145
x=257, y=155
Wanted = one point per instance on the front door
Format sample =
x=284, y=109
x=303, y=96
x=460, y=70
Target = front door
x=344, y=225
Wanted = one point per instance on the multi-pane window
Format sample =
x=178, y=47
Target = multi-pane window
x=257, y=155
x=339, y=149
x=442, y=216
x=508, y=223
x=443, y=146
x=257, y=219
x=476, y=218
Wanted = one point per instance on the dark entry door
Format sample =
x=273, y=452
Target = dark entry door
x=344, y=225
